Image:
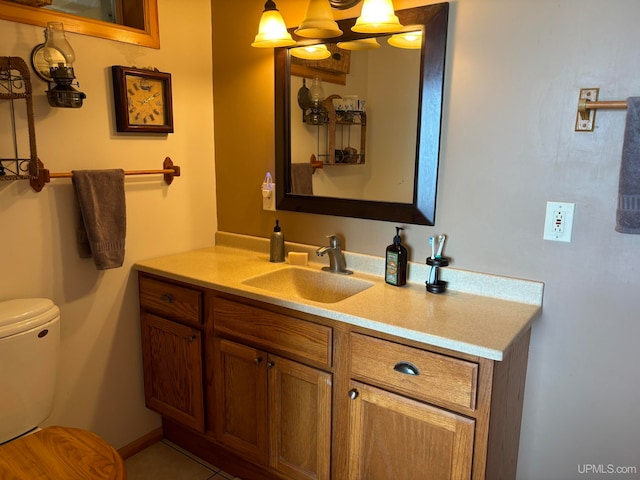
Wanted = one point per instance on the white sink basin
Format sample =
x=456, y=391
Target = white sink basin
x=314, y=285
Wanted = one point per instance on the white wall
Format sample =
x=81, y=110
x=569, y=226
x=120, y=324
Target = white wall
x=514, y=70
x=100, y=379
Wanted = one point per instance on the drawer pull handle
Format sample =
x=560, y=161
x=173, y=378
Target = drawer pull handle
x=353, y=393
x=166, y=298
x=406, y=368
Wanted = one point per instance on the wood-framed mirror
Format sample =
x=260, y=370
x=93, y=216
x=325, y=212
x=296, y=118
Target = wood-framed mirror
x=142, y=30
x=420, y=187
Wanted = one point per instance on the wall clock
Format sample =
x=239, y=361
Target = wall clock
x=143, y=102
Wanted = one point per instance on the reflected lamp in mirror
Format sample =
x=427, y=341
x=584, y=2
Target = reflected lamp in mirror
x=360, y=45
x=53, y=62
x=272, y=31
x=311, y=52
x=409, y=40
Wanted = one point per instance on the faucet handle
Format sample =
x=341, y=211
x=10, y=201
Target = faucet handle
x=334, y=241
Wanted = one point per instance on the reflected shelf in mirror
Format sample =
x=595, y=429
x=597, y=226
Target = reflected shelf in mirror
x=398, y=195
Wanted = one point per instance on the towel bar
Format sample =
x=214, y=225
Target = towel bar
x=44, y=176
x=588, y=104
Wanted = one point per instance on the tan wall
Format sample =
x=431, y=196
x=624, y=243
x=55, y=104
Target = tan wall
x=514, y=69
x=100, y=379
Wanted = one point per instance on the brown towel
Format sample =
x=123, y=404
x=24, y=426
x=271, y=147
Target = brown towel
x=301, y=180
x=101, y=199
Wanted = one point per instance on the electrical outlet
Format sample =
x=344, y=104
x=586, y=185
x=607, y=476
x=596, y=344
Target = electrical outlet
x=559, y=221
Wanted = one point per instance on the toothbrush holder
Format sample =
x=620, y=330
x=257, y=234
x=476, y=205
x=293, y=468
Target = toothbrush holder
x=434, y=284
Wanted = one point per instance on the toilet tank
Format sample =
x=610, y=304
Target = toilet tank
x=29, y=348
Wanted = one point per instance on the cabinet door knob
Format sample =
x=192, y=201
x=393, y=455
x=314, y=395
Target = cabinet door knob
x=191, y=338
x=270, y=364
x=353, y=393
x=257, y=360
x=166, y=298
x=406, y=368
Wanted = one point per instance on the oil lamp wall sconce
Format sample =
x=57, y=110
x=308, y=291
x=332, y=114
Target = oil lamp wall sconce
x=53, y=62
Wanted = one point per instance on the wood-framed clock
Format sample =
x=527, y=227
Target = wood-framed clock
x=142, y=98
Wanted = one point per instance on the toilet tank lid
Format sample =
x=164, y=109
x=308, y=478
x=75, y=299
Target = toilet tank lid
x=30, y=312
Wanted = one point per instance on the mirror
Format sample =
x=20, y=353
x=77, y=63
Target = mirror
x=141, y=29
x=417, y=204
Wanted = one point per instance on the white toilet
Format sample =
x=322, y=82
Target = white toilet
x=29, y=348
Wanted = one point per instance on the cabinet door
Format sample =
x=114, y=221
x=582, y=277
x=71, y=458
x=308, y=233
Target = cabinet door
x=391, y=436
x=299, y=419
x=172, y=359
x=241, y=399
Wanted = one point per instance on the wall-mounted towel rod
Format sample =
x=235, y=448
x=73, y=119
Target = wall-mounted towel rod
x=588, y=104
x=169, y=170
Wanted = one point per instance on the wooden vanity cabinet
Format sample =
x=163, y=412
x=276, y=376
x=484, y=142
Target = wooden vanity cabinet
x=291, y=396
x=172, y=348
x=273, y=410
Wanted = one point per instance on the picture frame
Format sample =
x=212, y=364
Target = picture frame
x=142, y=99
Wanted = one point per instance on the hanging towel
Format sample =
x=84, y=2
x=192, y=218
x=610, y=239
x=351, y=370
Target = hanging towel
x=628, y=212
x=301, y=180
x=100, y=195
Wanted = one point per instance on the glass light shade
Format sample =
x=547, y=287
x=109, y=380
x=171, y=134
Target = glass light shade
x=57, y=50
x=377, y=16
x=364, y=44
x=316, y=91
x=272, y=31
x=318, y=22
x=311, y=52
x=410, y=40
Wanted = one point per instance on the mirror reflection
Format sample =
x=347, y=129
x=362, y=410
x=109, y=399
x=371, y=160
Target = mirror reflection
x=363, y=138
x=121, y=12
x=372, y=149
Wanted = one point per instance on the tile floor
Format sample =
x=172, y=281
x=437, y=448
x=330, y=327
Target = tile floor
x=167, y=461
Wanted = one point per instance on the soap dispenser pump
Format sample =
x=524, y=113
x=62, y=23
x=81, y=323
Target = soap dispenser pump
x=395, y=271
x=276, y=247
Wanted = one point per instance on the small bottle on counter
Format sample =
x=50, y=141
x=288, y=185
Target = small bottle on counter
x=276, y=247
x=395, y=270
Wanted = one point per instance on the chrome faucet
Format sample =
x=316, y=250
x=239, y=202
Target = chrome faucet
x=337, y=263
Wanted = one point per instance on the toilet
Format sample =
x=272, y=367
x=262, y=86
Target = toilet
x=29, y=349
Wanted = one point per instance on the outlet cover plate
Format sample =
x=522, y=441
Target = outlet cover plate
x=558, y=222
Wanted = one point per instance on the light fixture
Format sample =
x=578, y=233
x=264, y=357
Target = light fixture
x=272, y=31
x=311, y=52
x=318, y=22
x=377, y=16
x=364, y=44
x=53, y=62
x=410, y=40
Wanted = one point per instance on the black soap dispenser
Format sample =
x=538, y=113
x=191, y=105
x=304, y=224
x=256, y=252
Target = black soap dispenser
x=276, y=246
x=395, y=270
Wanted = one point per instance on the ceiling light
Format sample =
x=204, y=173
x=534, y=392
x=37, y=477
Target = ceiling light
x=318, y=21
x=377, y=16
x=272, y=31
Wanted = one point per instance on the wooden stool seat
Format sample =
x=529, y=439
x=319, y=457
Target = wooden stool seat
x=56, y=453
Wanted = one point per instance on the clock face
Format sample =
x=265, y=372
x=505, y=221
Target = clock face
x=145, y=99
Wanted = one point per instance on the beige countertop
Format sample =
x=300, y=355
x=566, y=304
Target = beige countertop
x=479, y=314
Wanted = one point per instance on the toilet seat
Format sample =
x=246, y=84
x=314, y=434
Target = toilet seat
x=61, y=453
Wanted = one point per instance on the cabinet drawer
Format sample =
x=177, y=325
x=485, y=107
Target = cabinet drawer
x=274, y=332
x=171, y=300
x=436, y=378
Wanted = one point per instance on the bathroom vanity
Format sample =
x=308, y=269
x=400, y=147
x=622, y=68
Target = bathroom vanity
x=382, y=384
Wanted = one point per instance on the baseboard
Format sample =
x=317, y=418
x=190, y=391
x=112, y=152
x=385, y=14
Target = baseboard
x=141, y=443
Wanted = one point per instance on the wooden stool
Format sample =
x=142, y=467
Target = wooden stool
x=61, y=453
